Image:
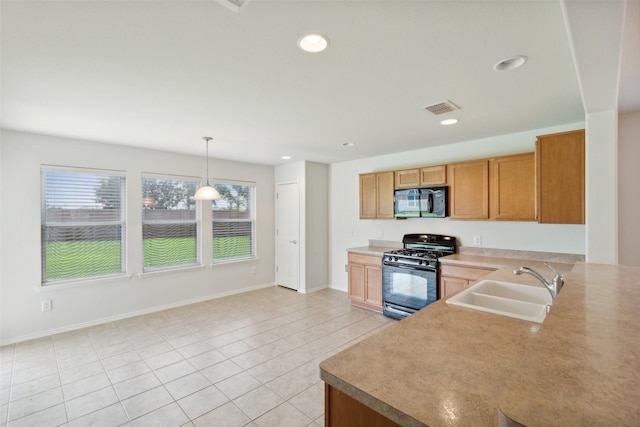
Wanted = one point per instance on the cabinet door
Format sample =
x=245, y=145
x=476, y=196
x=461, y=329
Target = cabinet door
x=368, y=196
x=365, y=280
x=451, y=285
x=373, y=285
x=469, y=190
x=341, y=410
x=560, y=177
x=357, y=282
x=408, y=178
x=385, y=194
x=513, y=187
x=433, y=175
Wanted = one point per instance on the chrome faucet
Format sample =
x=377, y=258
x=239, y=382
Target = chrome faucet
x=553, y=287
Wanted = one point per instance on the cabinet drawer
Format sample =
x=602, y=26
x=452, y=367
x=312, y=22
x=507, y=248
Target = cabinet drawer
x=468, y=273
x=364, y=259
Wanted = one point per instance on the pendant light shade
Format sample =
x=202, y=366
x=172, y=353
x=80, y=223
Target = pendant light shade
x=207, y=192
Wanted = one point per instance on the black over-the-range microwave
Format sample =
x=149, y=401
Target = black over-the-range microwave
x=421, y=202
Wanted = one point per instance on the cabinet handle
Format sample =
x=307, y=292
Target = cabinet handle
x=293, y=241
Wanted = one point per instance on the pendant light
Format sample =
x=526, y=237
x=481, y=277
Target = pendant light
x=207, y=192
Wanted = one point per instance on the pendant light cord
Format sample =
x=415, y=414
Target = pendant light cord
x=207, y=139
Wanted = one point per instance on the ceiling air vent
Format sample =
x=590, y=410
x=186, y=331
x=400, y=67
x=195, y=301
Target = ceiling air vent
x=442, y=107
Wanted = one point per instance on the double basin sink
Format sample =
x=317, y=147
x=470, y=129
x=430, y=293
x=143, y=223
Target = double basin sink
x=523, y=302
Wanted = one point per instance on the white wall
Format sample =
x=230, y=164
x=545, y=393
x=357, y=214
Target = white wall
x=628, y=193
x=312, y=179
x=317, y=226
x=21, y=316
x=602, y=187
x=347, y=230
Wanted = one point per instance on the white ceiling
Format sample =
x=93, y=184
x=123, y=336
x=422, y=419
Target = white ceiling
x=162, y=74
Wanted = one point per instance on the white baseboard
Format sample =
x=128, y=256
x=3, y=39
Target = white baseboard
x=317, y=288
x=77, y=326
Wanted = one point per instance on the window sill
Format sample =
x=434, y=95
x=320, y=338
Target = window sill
x=233, y=261
x=77, y=283
x=153, y=273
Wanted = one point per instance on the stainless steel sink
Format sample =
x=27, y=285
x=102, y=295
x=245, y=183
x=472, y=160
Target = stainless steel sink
x=515, y=300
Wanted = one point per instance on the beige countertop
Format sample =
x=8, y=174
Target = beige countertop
x=448, y=365
x=372, y=250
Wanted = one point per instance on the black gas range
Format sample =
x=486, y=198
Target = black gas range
x=410, y=275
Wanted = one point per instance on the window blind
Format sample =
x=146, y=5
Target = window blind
x=234, y=222
x=83, y=223
x=169, y=222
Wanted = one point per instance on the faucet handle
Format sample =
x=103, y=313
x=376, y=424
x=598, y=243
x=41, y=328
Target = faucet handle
x=558, y=278
x=556, y=272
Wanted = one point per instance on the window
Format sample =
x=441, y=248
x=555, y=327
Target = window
x=234, y=222
x=169, y=222
x=83, y=223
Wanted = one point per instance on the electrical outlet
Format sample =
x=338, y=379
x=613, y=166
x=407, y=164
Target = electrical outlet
x=477, y=240
x=380, y=234
x=45, y=305
x=254, y=270
x=346, y=268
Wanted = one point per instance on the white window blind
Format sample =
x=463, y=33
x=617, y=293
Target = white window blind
x=234, y=222
x=170, y=226
x=83, y=223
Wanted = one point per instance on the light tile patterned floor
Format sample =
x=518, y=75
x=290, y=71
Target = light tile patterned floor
x=248, y=359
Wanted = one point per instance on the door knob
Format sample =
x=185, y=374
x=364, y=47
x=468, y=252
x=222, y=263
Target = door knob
x=293, y=241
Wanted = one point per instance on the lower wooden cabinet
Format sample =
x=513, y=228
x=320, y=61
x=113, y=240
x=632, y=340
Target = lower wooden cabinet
x=341, y=410
x=454, y=279
x=365, y=281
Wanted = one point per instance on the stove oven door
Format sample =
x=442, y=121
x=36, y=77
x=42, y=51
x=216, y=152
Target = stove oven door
x=406, y=290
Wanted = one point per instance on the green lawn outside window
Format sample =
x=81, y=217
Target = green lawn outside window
x=103, y=257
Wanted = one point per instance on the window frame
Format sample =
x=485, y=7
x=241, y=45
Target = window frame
x=123, y=223
x=252, y=220
x=197, y=221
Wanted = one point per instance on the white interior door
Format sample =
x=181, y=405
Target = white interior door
x=288, y=235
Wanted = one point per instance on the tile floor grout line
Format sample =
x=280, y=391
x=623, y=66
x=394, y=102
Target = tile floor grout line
x=331, y=319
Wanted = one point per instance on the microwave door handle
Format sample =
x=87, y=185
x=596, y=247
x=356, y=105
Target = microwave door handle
x=429, y=201
x=424, y=201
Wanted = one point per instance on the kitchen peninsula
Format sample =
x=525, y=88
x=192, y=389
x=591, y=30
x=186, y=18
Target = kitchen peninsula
x=448, y=365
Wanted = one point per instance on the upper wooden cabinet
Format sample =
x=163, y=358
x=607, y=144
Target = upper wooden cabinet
x=502, y=188
x=469, y=190
x=421, y=177
x=548, y=185
x=433, y=175
x=512, y=192
x=560, y=163
x=376, y=195
x=368, y=196
x=384, y=183
x=407, y=178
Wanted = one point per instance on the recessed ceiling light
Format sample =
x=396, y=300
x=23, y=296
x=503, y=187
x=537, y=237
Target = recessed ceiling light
x=286, y=157
x=510, y=63
x=449, y=122
x=348, y=144
x=313, y=43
